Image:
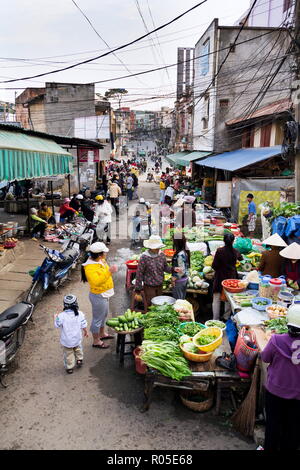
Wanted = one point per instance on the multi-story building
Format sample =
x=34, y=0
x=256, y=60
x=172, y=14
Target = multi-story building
x=53, y=108
x=270, y=13
x=235, y=87
x=182, y=138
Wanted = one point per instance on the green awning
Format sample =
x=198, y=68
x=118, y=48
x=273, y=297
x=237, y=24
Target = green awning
x=24, y=157
x=191, y=157
x=174, y=157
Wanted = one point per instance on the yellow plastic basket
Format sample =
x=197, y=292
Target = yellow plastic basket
x=212, y=330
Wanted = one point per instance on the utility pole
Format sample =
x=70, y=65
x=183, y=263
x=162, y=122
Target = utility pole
x=297, y=104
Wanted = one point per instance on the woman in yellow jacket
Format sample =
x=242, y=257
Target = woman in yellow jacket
x=98, y=274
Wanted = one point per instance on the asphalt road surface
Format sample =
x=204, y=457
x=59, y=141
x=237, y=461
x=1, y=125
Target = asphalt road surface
x=98, y=406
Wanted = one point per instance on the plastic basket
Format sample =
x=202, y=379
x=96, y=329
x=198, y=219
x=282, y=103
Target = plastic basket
x=245, y=355
x=182, y=325
x=132, y=264
x=205, y=357
x=234, y=290
x=261, y=308
x=212, y=330
x=140, y=366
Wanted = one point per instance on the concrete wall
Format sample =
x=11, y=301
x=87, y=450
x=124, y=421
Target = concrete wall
x=37, y=115
x=203, y=139
x=243, y=76
x=64, y=102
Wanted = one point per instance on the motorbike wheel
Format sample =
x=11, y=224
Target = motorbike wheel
x=35, y=293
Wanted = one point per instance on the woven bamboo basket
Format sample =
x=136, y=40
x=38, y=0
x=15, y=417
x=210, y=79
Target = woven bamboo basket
x=195, y=406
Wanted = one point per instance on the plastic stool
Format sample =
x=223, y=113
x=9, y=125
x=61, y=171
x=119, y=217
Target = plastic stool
x=129, y=277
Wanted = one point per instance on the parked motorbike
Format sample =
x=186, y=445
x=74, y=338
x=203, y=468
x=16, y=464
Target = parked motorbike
x=54, y=270
x=12, y=333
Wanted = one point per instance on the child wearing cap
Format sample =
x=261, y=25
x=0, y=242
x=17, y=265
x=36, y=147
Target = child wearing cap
x=71, y=323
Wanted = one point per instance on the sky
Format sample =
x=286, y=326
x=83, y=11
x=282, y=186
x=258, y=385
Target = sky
x=38, y=36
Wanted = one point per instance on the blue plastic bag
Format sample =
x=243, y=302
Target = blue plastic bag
x=232, y=333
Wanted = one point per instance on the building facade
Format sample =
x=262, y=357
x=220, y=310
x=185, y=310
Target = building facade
x=237, y=86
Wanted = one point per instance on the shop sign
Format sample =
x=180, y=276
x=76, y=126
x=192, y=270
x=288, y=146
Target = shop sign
x=88, y=155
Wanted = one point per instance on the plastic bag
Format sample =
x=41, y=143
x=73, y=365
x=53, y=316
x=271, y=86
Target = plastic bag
x=243, y=245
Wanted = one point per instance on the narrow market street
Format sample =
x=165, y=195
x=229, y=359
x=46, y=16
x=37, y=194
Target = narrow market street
x=98, y=407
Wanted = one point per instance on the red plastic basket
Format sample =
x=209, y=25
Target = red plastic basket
x=140, y=366
x=132, y=264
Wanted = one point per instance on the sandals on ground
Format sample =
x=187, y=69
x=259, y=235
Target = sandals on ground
x=101, y=346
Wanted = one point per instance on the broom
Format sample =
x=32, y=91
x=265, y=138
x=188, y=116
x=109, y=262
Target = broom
x=243, y=419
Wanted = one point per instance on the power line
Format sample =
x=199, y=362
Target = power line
x=100, y=37
x=111, y=51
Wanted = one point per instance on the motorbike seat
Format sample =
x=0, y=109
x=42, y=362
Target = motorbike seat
x=69, y=254
x=13, y=317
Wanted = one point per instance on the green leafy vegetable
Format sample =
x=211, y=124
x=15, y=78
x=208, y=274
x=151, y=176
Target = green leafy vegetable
x=161, y=333
x=191, y=329
x=167, y=358
x=203, y=340
x=279, y=325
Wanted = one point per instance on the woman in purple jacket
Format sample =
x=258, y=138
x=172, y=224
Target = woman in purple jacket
x=283, y=388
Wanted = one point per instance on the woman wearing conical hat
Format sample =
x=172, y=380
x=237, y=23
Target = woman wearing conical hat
x=291, y=265
x=271, y=262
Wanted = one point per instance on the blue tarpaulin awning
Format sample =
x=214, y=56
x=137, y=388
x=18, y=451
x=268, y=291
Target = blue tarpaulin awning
x=232, y=161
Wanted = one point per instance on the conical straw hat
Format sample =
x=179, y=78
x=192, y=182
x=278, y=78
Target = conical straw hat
x=291, y=252
x=274, y=240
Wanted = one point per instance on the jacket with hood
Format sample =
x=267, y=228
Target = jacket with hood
x=283, y=354
x=98, y=276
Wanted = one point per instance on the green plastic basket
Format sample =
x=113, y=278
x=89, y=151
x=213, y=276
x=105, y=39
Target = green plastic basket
x=182, y=325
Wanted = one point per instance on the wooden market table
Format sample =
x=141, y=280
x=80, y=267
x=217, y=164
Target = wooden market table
x=203, y=376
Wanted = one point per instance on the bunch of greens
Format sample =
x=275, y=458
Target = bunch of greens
x=191, y=329
x=286, y=209
x=161, y=333
x=197, y=261
x=160, y=316
x=165, y=357
x=203, y=340
x=278, y=325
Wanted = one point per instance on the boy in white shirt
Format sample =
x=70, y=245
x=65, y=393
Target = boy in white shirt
x=71, y=323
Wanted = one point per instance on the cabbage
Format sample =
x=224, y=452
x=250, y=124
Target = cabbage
x=207, y=269
x=190, y=347
x=196, y=279
x=185, y=339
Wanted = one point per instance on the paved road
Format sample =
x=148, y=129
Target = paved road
x=97, y=407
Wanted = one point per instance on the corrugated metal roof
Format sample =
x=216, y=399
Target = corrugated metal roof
x=232, y=161
x=277, y=107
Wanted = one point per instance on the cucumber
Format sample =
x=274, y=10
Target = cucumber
x=122, y=319
x=246, y=304
x=125, y=327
